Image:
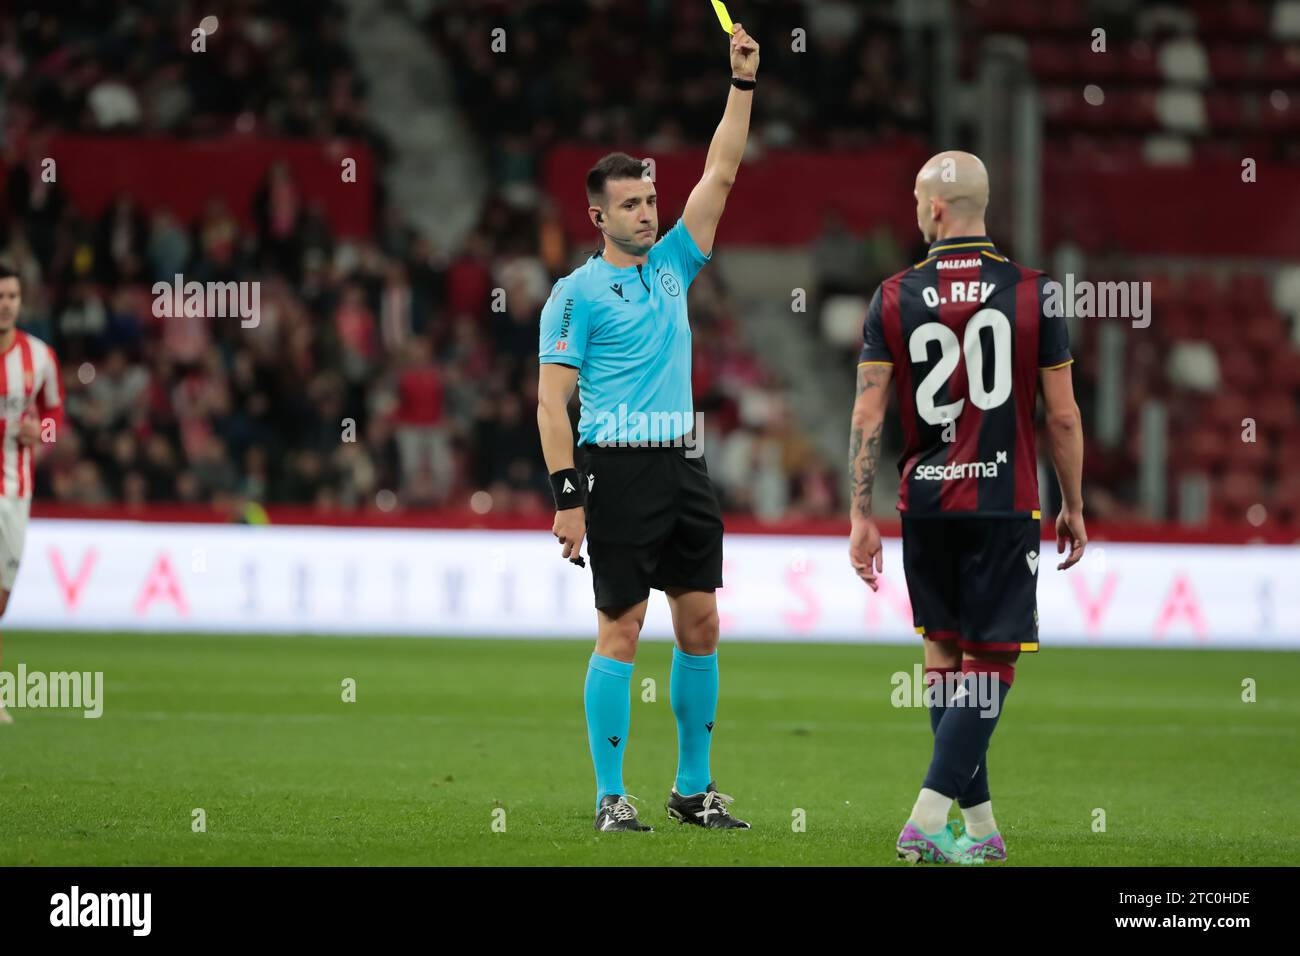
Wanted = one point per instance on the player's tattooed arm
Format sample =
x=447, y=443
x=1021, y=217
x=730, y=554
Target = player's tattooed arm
x=864, y=455
x=865, y=434
x=866, y=553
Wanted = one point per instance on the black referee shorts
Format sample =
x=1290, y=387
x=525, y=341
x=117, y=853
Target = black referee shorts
x=974, y=580
x=653, y=521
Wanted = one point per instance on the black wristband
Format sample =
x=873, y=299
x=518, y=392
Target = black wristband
x=566, y=485
x=740, y=84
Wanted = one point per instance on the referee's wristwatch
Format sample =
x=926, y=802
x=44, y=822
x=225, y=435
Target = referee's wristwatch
x=743, y=84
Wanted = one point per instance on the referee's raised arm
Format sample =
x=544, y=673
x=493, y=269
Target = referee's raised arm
x=709, y=197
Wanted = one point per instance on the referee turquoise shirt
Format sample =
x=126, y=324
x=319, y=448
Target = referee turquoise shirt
x=627, y=334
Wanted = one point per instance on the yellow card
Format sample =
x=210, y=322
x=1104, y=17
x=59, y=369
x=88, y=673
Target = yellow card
x=724, y=17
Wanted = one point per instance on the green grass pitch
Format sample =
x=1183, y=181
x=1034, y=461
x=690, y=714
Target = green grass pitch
x=253, y=730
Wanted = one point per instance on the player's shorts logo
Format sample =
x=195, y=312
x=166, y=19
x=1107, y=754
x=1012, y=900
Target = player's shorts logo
x=670, y=284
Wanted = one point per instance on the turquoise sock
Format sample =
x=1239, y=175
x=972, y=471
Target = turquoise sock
x=606, y=697
x=693, y=688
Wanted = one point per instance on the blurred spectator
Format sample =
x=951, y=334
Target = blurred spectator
x=420, y=430
x=118, y=389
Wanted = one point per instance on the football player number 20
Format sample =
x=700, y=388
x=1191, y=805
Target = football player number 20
x=950, y=352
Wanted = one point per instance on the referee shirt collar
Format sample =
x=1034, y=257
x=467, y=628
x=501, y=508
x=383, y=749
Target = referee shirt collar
x=962, y=244
x=617, y=269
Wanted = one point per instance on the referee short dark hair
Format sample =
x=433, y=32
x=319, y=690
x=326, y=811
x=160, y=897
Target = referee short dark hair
x=8, y=273
x=613, y=166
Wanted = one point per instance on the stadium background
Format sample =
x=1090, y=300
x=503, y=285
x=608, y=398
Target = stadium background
x=378, y=294
x=1173, y=158
x=391, y=378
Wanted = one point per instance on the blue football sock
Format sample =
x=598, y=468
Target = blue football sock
x=937, y=697
x=606, y=697
x=693, y=688
x=977, y=790
x=961, y=740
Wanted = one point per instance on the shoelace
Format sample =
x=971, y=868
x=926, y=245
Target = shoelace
x=623, y=810
x=715, y=802
x=977, y=853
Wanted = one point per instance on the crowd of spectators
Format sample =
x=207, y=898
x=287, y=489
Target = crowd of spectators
x=189, y=409
x=282, y=68
x=382, y=372
x=653, y=72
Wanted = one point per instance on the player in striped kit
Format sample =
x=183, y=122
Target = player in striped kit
x=968, y=342
x=32, y=396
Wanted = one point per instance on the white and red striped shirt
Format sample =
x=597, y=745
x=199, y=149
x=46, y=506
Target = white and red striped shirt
x=29, y=386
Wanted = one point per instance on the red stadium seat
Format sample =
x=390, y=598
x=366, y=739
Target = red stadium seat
x=1055, y=103
x=1229, y=63
x=1286, y=459
x=1106, y=68
x=1053, y=61
x=1238, y=372
x=1219, y=329
x=1175, y=324
x=1225, y=111
x=1066, y=15
x=1227, y=409
x=1228, y=151
x=1236, y=18
x=1264, y=334
x=1282, y=66
x=1076, y=111
x=1140, y=64
x=1137, y=110
x=1283, y=369
x=1025, y=15
x=1237, y=491
x=1205, y=449
x=1255, y=456
x=1201, y=289
x=1249, y=289
x=1279, y=120
x=1014, y=16
x=1165, y=293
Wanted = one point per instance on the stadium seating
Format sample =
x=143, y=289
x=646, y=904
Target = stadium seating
x=1191, y=86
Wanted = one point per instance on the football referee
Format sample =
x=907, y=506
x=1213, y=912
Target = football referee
x=617, y=327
